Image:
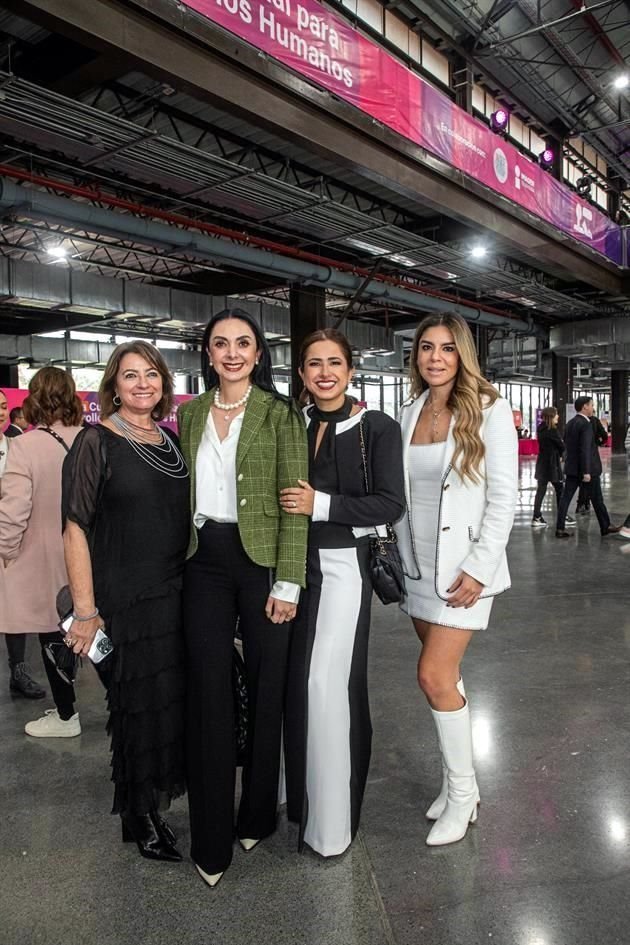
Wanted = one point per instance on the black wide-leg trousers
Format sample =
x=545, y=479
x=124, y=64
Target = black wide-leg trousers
x=571, y=485
x=223, y=587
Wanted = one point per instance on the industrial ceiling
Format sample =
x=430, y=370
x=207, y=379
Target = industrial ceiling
x=90, y=124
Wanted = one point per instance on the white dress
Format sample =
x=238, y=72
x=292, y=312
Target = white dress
x=426, y=466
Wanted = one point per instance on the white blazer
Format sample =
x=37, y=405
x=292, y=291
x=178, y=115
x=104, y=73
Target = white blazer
x=474, y=519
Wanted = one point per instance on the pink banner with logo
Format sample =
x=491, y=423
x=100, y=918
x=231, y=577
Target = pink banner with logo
x=91, y=404
x=328, y=51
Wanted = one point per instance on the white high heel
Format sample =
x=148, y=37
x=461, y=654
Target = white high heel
x=462, y=801
x=210, y=878
x=437, y=807
x=248, y=844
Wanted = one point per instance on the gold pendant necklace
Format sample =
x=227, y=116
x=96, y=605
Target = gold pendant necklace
x=436, y=414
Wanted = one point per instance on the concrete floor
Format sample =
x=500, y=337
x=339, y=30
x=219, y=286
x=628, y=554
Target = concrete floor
x=547, y=864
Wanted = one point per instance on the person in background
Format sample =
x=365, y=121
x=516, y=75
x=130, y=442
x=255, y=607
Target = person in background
x=328, y=732
x=600, y=433
x=18, y=424
x=31, y=545
x=20, y=681
x=460, y=457
x=549, y=465
x=243, y=443
x=583, y=465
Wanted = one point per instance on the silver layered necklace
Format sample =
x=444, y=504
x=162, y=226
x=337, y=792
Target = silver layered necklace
x=163, y=456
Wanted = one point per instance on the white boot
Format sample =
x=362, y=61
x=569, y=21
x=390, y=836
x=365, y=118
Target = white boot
x=438, y=805
x=462, y=800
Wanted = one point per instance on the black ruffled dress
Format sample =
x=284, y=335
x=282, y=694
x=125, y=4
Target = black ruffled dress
x=137, y=522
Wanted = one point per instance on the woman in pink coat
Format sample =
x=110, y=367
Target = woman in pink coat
x=20, y=682
x=32, y=568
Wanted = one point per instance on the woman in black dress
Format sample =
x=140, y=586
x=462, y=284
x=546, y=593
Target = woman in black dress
x=328, y=733
x=125, y=512
x=548, y=464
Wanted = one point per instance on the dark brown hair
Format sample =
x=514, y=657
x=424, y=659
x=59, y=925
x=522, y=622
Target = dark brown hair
x=52, y=397
x=153, y=357
x=323, y=334
x=547, y=414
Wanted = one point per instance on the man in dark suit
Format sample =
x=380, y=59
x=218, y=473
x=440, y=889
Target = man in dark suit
x=582, y=465
x=17, y=425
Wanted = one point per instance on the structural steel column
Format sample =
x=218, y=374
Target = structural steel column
x=307, y=307
x=561, y=386
x=481, y=341
x=9, y=375
x=618, y=409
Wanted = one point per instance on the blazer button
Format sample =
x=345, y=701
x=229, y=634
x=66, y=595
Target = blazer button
x=446, y=528
x=239, y=478
x=243, y=502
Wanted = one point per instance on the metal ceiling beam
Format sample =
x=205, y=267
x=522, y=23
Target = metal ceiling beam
x=545, y=26
x=38, y=205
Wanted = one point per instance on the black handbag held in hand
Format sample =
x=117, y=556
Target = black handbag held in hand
x=386, y=570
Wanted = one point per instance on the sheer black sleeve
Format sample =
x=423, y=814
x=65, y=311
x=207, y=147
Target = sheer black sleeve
x=84, y=472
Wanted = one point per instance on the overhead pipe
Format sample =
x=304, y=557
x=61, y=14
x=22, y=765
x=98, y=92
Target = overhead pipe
x=94, y=195
x=40, y=205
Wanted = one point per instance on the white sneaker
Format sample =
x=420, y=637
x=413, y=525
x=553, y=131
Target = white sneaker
x=51, y=726
x=624, y=531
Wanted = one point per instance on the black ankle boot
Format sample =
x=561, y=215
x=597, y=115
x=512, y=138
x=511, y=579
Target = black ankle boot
x=163, y=827
x=150, y=842
x=24, y=685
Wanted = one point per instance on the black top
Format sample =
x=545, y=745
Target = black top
x=551, y=450
x=349, y=504
x=582, y=453
x=137, y=518
x=13, y=430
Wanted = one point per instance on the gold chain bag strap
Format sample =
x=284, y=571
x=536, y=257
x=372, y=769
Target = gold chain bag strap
x=386, y=569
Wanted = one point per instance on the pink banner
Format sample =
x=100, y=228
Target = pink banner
x=328, y=51
x=91, y=404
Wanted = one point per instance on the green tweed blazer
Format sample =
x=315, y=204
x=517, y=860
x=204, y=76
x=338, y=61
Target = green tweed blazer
x=272, y=454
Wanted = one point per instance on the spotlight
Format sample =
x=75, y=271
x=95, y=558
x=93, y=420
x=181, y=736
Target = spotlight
x=546, y=159
x=622, y=81
x=59, y=252
x=499, y=121
x=583, y=185
x=478, y=252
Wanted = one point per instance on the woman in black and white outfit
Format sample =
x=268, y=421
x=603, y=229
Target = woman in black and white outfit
x=328, y=732
x=461, y=477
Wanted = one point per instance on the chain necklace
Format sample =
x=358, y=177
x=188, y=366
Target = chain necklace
x=163, y=456
x=227, y=407
x=436, y=414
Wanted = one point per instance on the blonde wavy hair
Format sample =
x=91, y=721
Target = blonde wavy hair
x=471, y=392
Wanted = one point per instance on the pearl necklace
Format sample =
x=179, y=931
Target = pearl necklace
x=227, y=407
x=164, y=456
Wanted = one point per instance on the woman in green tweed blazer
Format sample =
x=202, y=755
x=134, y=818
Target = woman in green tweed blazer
x=243, y=443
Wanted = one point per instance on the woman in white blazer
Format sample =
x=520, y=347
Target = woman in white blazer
x=460, y=457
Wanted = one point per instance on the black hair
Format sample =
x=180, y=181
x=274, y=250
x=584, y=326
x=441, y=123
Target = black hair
x=14, y=413
x=262, y=374
x=581, y=402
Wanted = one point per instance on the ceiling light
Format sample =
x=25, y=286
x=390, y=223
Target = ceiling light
x=478, y=252
x=499, y=121
x=622, y=81
x=546, y=159
x=59, y=252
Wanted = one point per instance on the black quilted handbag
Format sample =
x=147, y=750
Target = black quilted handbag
x=388, y=580
x=241, y=707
